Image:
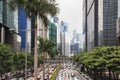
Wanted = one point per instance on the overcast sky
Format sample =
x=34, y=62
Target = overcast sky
x=71, y=12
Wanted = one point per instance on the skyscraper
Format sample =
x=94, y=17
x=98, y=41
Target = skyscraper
x=24, y=29
x=76, y=43
x=22, y=26
x=64, y=38
x=118, y=23
x=8, y=22
x=99, y=23
x=52, y=32
x=8, y=17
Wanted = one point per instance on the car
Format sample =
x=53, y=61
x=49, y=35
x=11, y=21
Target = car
x=50, y=72
x=66, y=79
x=76, y=78
x=72, y=74
x=53, y=69
x=46, y=77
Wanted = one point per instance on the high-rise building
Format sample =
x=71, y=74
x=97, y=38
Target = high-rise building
x=64, y=39
x=24, y=29
x=52, y=32
x=22, y=20
x=76, y=43
x=118, y=9
x=8, y=17
x=99, y=23
x=56, y=22
x=8, y=22
x=1, y=11
x=85, y=25
x=118, y=23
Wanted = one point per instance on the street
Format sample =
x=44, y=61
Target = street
x=69, y=74
x=40, y=73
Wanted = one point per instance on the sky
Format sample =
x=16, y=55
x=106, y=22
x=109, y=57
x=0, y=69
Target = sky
x=71, y=12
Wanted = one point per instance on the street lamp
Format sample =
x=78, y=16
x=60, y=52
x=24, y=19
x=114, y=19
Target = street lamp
x=11, y=30
x=35, y=56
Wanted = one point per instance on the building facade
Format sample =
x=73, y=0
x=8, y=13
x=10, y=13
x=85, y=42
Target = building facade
x=22, y=21
x=85, y=25
x=99, y=23
x=90, y=22
x=8, y=17
x=24, y=30
x=76, y=43
x=52, y=32
x=9, y=26
x=64, y=39
x=118, y=24
x=56, y=22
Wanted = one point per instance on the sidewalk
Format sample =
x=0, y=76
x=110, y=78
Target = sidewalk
x=40, y=74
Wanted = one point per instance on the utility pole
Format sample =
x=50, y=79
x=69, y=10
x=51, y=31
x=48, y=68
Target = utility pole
x=35, y=54
x=26, y=55
x=26, y=46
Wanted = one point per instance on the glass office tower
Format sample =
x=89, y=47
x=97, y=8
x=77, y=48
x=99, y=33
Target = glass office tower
x=109, y=22
x=99, y=23
x=9, y=20
x=8, y=17
x=1, y=10
x=90, y=22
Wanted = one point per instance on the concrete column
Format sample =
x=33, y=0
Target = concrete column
x=2, y=35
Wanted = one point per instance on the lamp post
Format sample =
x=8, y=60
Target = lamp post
x=35, y=56
x=26, y=55
x=26, y=47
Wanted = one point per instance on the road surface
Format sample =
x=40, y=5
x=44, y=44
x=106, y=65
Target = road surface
x=69, y=74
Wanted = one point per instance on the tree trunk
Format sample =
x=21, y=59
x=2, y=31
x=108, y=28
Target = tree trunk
x=94, y=76
x=48, y=68
x=92, y=73
x=44, y=66
x=114, y=76
x=117, y=76
x=109, y=74
x=87, y=70
x=101, y=74
x=0, y=76
x=35, y=50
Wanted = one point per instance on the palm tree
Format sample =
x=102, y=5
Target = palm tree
x=46, y=47
x=39, y=9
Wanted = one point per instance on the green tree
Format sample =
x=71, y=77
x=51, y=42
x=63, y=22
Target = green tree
x=6, y=59
x=112, y=61
x=21, y=61
x=16, y=62
x=39, y=9
x=46, y=47
x=100, y=60
x=40, y=60
x=30, y=60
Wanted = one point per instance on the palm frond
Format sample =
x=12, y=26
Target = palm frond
x=15, y=3
x=44, y=19
x=37, y=7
